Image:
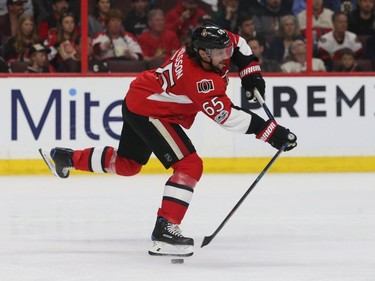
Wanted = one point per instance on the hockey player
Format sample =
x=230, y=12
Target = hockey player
x=158, y=104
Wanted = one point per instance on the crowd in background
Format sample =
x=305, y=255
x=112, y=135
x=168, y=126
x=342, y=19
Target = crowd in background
x=45, y=36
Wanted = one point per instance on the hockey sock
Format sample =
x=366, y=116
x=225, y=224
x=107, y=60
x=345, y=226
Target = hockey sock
x=95, y=159
x=104, y=160
x=178, y=192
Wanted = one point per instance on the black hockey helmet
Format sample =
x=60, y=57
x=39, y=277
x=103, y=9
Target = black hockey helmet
x=210, y=36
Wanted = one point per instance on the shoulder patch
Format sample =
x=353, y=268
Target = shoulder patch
x=204, y=86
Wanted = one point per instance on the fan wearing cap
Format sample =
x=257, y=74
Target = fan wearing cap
x=156, y=108
x=9, y=21
x=38, y=62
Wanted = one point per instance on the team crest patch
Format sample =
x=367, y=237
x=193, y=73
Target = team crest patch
x=204, y=86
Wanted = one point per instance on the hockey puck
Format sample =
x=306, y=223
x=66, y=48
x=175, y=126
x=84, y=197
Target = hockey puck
x=177, y=260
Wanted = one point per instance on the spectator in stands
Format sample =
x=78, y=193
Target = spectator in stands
x=226, y=15
x=246, y=27
x=48, y=26
x=4, y=68
x=136, y=18
x=322, y=20
x=38, y=62
x=97, y=20
x=287, y=33
x=183, y=17
x=257, y=45
x=158, y=42
x=333, y=5
x=9, y=21
x=28, y=7
x=362, y=20
x=347, y=62
x=95, y=64
x=267, y=19
x=42, y=9
x=17, y=47
x=340, y=5
x=297, y=62
x=332, y=42
x=116, y=43
x=67, y=45
x=370, y=47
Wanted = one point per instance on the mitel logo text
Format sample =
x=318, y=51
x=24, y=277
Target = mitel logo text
x=53, y=108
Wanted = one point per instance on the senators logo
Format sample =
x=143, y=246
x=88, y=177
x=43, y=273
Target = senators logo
x=204, y=86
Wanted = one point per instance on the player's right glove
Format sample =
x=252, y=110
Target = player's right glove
x=277, y=135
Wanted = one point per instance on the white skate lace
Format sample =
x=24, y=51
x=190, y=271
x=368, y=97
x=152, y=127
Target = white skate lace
x=174, y=229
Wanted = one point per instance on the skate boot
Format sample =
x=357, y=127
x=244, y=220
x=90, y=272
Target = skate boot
x=63, y=160
x=168, y=240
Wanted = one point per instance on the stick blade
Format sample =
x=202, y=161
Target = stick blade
x=206, y=241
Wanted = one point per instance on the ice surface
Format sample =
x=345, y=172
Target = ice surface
x=291, y=227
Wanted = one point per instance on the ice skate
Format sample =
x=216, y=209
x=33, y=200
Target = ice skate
x=59, y=160
x=167, y=240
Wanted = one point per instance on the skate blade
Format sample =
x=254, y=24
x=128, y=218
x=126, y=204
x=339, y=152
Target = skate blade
x=164, y=249
x=48, y=160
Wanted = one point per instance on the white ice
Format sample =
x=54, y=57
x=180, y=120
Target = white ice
x=291, y=227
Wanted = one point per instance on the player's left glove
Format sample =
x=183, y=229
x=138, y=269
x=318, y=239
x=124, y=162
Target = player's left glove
x=277, y=135
x=251, y=78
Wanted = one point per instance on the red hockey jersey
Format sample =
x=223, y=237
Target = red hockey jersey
x=181, y=88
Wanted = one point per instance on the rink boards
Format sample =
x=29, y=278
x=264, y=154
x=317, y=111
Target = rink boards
x=333, y=118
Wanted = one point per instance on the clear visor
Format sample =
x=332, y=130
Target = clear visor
x=222, y=54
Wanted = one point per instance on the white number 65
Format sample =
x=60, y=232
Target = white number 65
x=213, y=106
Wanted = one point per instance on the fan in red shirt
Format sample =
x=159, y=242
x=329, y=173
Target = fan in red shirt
x=183, y=17
x=158, y=43
x=158, y=104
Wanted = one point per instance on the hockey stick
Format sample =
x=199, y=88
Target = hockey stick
x=208, y=239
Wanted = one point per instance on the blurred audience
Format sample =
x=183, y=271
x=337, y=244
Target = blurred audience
x=347, y=62
x=158, y=43
x=322, y=20
x=96, y=21
x=297, y=62
x=287, y=33
x=340, y=5
x=42, y=9
x=116, y=43
x=266, y=20
x=257, y=46
x=226, y=15
x=38, y=62
x=4, y=68
x=48, y=26
x=17, y=47
x=94, y=63
x=370, y=47
x=28, y=7
x=66, y=46
x=9, y=21
x=136, y=18
x=361, y=21
x=332, y=42
x=269, y=27
x=183, y=17
x=246, y=27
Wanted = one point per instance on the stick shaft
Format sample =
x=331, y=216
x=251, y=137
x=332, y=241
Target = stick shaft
x=207, y=239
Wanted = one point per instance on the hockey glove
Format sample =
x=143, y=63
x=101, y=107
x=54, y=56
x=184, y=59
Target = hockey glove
x=251, y=78
x=277, y=135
